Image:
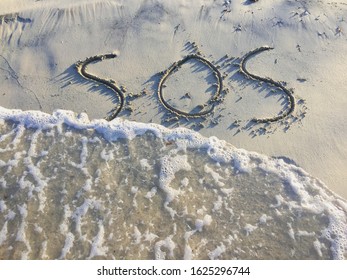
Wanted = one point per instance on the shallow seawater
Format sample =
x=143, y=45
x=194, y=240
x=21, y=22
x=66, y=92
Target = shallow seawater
x=71, y=188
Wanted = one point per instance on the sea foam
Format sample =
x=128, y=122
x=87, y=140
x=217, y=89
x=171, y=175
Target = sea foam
x=75, y=188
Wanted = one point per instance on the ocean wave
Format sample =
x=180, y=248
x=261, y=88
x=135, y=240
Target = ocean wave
x=74, y=188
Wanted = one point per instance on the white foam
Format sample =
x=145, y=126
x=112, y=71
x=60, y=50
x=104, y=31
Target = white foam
x=264, y=218
x=279, y=201
x=21, y=231
x=185, y=182
x=144, y=164
x=304, y=233
x=38, y=229
x=44, y=255
x=134, y=189
x=318, y=247
x=97, y=248
x=216, y=253
x=249, y=228
x=137, y=235
x=306, y=194
x=69, y=240
x=242, y=161
x=217, y=205
x=227, y=191
x=21, y=235
x=107, y=156
x=3, y=206
x=188, y=252
x=83, y=155
x=35, y=172
x=19, y=131
x=336, y=232
x=149, y=236
x=206, y=221
x=170, y=165
x=10, y=215
x=291, y=231
x=64, y=224
x=79, y=213
x=151, y=193
x=3, y=233
x=199, y=224
x=216, y=177
x=166, y=243
x=88, y=185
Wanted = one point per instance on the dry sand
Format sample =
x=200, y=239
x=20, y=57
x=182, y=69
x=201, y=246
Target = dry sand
x=42, y=40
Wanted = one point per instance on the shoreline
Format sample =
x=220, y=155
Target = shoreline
x=308, y=56
x=141, y=191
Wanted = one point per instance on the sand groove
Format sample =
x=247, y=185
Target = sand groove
x=270, y=81
x=82, y=70
x=176, y=66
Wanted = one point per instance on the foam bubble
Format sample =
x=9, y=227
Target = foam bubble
x=170, y=165
x=318, y=247
x=10, y=215
x=150, y=237
x=151, y=193
x=97, y=248
x=69, y=240
x=216, y=253
x=185, y=182
x=206, y=221
x=249, y=228
x=291, y=231
x=3, y=206
x=217, y=178
x=137, y=235
x=264, y=218
x=166, y=243
x=3, y=233
x=188, y=252
x=144, y=164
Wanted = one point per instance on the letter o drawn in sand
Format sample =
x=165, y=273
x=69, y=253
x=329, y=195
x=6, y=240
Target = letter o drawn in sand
x=212, y=101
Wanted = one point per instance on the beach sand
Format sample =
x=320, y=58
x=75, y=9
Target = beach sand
x=41, y=41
